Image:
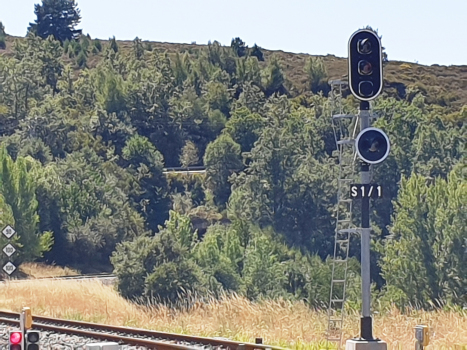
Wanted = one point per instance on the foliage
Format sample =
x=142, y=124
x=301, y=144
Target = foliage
x=18, y=200
x=273, y=77
x=189, y=155
x=430, y=217
x=256, y=52
x=222, y=159
x=283, y=172
x=148, y=186
x=57, y=18
x=317, y=75
x=239, y=47
x=2, y=36
x=89, y=145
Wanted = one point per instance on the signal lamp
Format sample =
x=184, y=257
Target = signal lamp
x=32, y=340
x=364, y=46
x=372, y=145
x=16, y=340
x=364, y=67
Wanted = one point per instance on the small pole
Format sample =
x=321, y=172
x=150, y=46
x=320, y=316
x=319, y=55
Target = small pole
x=366, y=327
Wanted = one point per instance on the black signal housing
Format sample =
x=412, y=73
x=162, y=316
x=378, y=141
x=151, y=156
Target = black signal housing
x=365, y=65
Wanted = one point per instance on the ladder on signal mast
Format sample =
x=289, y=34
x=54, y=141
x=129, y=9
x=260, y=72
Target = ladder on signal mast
x=345, y=131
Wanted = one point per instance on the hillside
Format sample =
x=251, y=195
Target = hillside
x=442, y=85
x=87, y=127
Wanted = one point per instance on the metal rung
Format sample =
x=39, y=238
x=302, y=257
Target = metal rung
x=345, y=200
x=348, y=230
x=334, y=339
x=346, y=142
x=346, y=220
x=337, y=300
x=338, y=281
x=342, y=116
x=340, y=260
x=336, y=320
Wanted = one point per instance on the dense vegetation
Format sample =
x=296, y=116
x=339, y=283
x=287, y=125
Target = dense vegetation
x=87, y=128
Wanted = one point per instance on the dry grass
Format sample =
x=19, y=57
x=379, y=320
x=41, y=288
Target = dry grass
x=281, y=323
x=38, y=270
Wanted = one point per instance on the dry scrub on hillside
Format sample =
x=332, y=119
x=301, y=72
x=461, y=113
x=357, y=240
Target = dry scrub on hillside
x=283, y=323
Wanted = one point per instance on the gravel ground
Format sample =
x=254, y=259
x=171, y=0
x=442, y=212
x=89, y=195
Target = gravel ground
x=55, y=341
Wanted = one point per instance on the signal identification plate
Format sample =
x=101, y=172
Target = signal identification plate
x=366, y=191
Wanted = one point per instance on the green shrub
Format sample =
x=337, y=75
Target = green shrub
x=2, y=42
x=81, y=59
x=97, y=45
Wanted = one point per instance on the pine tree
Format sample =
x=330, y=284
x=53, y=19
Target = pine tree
x=58, y=18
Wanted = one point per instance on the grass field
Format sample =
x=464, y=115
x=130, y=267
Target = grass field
x=281, y=323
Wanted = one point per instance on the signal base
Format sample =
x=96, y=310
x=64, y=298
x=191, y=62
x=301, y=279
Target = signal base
x=361, y=344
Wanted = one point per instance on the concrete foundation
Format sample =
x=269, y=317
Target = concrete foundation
x=356, y=344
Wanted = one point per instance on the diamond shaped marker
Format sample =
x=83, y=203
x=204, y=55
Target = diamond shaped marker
x=8, y=231
x=9, y=268
x=9, y=250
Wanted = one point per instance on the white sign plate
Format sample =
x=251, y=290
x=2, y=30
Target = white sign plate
x=9, y=250
x=8, y=231
x=9, y=268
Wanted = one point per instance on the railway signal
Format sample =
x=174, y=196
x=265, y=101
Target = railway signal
x=365, y=65
x=16, y=340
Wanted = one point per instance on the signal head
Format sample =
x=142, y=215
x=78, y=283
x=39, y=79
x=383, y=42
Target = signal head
x=365, y=65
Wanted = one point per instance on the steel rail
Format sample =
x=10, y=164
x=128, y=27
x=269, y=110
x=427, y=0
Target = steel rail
x=41, y=322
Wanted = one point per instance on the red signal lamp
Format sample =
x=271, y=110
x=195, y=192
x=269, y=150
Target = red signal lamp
x=16, y=337
x=16, y=340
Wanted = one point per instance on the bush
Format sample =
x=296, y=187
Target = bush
x=81, y=59
x=114, y=45
x=2, y=42
x=97, y=45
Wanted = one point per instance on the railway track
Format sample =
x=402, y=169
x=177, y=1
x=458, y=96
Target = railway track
x=130, y=336
x=100, y=276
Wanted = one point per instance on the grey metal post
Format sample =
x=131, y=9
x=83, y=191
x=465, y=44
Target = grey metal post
x=366, y=331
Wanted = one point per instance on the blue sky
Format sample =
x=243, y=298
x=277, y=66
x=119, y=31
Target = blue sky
x=423, y=31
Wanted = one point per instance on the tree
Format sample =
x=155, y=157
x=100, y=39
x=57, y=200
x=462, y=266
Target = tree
x=189, y=155
x=239, y=47
x=2, y=36
x=256, y=52
x=317, y=75
x=273, y=77
x=160, y=268
x=149, y=186
x=284, y=185
x=138, y=49
x=57, y=18
x=18, y=186
x=423, y=257
x=222, y=159
x=245, y=127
